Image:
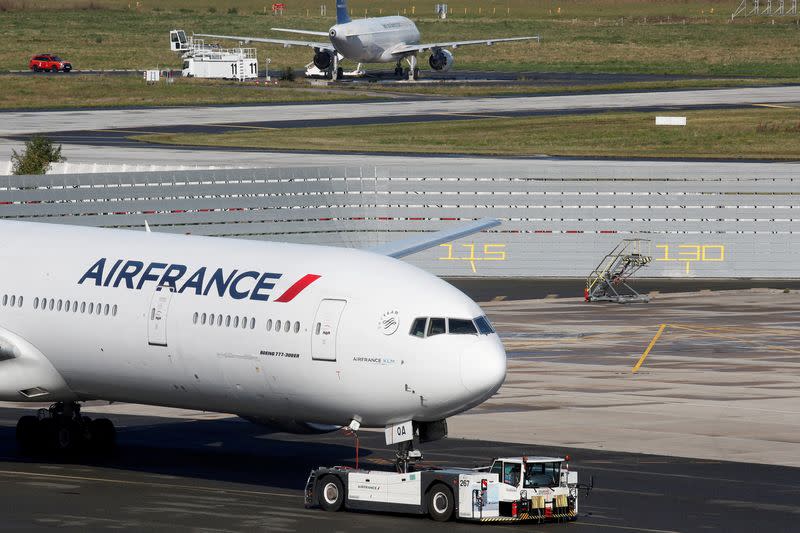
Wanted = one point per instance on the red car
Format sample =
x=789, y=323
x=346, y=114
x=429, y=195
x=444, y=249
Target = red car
x=49, y=62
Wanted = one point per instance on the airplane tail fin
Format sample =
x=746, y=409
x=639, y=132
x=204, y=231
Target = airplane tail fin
x=342, y=14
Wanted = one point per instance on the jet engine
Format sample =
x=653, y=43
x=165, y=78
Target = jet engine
x=441, y=60
x=323, y=59
x=297, y=427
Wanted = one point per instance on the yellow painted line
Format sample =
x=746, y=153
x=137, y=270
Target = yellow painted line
x=17, y=473
x=475, y=115
x=236, y=126
x=498, y=298
x=775, y=106
x=112, y=130
x=649, y=347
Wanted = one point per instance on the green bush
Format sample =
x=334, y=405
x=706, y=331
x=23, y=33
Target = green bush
x=287, y=74
x=39, y=153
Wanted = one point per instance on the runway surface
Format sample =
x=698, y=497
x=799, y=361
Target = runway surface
x=226, y=475
x=123, y=137
x=24, y=122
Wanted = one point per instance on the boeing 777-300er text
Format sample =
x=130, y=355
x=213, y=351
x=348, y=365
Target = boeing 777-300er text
x=299, y=338
x=372, y=40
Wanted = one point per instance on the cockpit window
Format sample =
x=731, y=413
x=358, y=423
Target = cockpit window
x=484, y=327
x=458, y=326
x=418, y=328
x=436, y=326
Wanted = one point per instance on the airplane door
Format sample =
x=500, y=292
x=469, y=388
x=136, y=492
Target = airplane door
x=157, y=317
x=323, y=334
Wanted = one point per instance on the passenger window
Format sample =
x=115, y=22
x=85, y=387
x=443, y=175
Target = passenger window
x=219, y=320
x=269, y=324
x=287, y=326
x=203, y=319
x=52, y=304
x=19, y=301
x=36, y=303
x=317, y=328
x=194, y=318
x=457, y=326
x=252, y=323
x=417, y=328
x=14, y=301
x=244, y=322
x=497, y=468
x=297, y=327
x=236, y=321
x=74, y=306
x=106, y=309
x=59, y=305
x=5, y=300
x=98, y=309
x=436, y=326
x=278, y=325
x=114, y=310
x=91, y=307
x=228, y=321
x=152, y=314
x=67, y=305
x=83, y=307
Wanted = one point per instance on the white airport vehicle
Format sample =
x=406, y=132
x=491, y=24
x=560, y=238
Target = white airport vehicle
x=512, y=489
x=371, y=40
x=299, y=338
x=201, y=60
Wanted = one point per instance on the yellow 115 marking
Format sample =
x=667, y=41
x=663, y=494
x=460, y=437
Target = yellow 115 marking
x=491, y=252
x=690, y=253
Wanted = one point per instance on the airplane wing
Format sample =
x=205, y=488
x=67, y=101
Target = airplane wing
x=284, y=42
x=418, y=243
x=409, y=48
x=304, y=32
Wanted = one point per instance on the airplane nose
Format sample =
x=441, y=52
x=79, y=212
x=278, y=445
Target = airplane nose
x=483, y=370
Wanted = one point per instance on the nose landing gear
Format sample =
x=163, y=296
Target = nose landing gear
x=62, y=429
x=406, y=456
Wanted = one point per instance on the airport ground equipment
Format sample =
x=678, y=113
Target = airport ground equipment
x=201, y=60
x=608, y=282
x=765, y=8
x=511, y=489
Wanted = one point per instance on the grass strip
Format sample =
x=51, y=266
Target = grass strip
x=54, y=91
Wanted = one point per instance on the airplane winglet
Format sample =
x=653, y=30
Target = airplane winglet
x=412, y=245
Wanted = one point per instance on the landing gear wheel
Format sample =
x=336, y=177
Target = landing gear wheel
x=27, y=433
x=331, y=494
x=398, y=71
x=415, y=75
x=440, y=503
x=103, y=435
x=67, y=436
x=339, y=73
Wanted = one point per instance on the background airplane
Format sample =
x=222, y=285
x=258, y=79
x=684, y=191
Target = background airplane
x=299, y=338
x=372, y=40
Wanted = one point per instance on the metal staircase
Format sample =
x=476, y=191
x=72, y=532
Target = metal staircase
x=608, y=282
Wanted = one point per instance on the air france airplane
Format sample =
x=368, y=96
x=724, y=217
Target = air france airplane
x=372, y=40
x=299, y=338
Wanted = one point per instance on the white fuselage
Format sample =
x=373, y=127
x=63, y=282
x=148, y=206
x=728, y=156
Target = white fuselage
x=207, y=340
x=372, y=40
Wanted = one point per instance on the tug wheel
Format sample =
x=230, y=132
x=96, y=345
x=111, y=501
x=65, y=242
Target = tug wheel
x=440, y=503
x=331, y=493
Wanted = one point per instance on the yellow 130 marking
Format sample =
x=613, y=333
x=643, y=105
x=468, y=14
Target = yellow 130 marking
x=491, y=252
x=690, y=253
